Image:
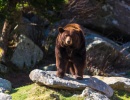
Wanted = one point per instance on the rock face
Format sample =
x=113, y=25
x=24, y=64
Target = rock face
x=119, y=83
x=126, y=46
x=106, y=14
x=27, y=54
x=91, y=94
x=5, y=96
x=104, y=55
x=68, y=82
x=5, y=85
x=32, y=27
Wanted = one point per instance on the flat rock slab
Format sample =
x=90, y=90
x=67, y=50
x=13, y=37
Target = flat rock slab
x=68, y=82
x=119, y=83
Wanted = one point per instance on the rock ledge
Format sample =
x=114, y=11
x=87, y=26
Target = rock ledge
x=68, y=82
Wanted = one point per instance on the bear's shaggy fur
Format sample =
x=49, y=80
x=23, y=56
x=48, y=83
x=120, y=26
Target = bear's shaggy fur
x=70, y=51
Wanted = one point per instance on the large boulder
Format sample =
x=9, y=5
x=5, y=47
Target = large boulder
x=102, y=14
x=27, y=54
x=104, y=55
x=119, y=83
x=32, y=26
x=5, y=85
x=68, y=82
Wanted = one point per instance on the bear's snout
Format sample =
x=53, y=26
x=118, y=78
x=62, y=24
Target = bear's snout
x=68, y=40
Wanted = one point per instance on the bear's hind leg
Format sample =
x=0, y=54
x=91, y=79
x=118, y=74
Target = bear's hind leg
x=72, y=71
x=78, y=71
x=70, y=68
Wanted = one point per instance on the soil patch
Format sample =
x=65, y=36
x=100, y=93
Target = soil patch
x=18, y=79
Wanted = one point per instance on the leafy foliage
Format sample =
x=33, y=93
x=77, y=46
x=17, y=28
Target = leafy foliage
x=3, y=7
x=3, y=3
x=47, y=4
x=47, y=8
x=39, y=5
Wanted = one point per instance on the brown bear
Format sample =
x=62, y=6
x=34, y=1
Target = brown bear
x=70, y=51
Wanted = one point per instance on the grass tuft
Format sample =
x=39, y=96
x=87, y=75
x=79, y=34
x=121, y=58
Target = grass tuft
x=36, y=92
x=121, y=95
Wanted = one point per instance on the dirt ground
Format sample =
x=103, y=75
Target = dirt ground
x=21, y=78
x=18, y=79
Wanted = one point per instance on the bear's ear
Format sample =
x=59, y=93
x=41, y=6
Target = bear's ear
x=61, y=30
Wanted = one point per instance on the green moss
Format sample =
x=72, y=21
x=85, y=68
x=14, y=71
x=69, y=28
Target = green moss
x=36, y=92
x=20, y=93
x=121, y=95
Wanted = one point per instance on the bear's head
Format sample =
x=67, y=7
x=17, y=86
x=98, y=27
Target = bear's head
x=69, y=37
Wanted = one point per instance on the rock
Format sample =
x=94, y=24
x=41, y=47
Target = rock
x=27, y=54
x=55, y=96
x=119, y=83
x=91, y=94
x=2, y=90
x=121, y=13
x=107, y=15
x=68, y=82
x=39, y=21
x=3, y=69
x=51, y=67
x=33, y=28
x=4, y=96
x=104, y=55
x=126, y=46
x=5, y=85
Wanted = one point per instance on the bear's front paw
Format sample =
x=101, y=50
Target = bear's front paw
x=78, y=77
x=60, y=75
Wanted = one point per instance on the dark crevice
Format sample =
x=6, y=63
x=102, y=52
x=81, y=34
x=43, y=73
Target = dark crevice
x=112, y=33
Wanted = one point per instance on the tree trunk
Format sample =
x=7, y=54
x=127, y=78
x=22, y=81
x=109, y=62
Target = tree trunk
x=4, y=39
x=7, y=27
